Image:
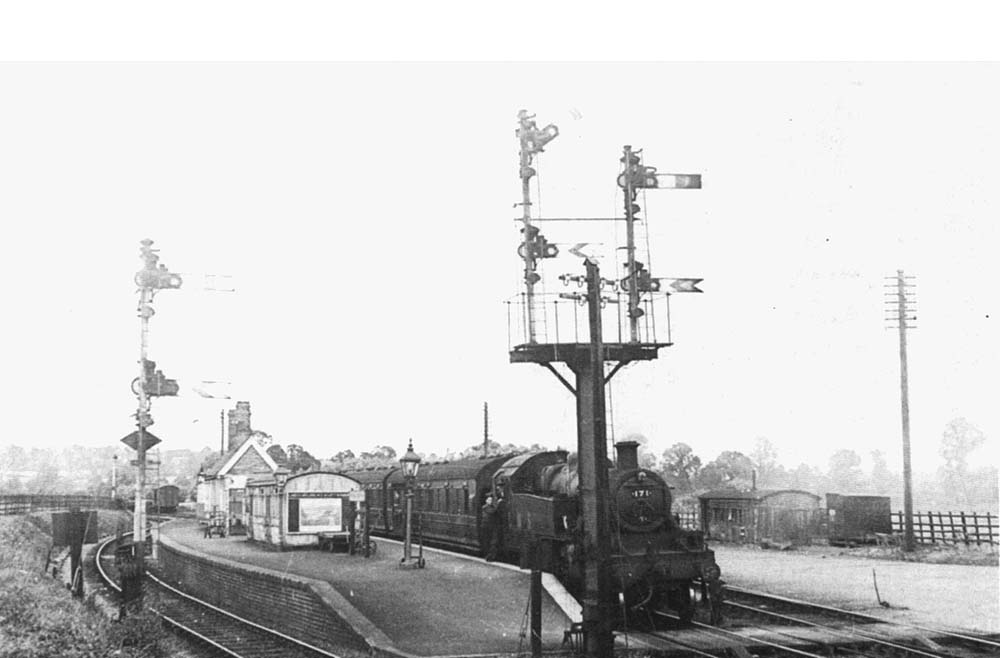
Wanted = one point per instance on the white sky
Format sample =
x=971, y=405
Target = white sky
x=364, y=211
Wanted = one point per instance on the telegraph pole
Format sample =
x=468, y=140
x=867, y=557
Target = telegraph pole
x=486, y=429
x=903, y=307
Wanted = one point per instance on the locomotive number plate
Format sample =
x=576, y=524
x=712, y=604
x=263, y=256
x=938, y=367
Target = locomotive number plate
x=641, y=493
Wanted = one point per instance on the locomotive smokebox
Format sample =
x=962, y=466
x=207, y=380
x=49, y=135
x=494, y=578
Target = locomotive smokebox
x=628, y=455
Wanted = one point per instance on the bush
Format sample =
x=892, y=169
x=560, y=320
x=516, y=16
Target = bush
x=39, y=619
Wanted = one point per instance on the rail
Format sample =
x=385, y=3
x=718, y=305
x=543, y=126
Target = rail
x=281, y=644
x=987, y=642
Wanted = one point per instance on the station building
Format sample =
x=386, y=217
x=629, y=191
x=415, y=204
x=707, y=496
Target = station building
x=222, y=480
x=313, y=508
x=780, y=516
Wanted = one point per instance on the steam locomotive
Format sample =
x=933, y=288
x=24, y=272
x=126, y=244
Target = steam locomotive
x=657, y=566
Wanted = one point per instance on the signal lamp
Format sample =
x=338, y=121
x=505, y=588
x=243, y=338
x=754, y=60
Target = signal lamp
x=167, y=280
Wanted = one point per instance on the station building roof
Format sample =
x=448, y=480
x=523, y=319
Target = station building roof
x=756, y=495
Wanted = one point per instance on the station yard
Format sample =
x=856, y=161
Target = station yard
x=958, y=596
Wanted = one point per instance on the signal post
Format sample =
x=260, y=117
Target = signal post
x=150, y=383
x=586, y=360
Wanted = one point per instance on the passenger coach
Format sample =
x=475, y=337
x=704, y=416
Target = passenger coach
x=448, y=498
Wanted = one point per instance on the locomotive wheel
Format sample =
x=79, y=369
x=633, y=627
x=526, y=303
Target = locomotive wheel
x=682, y=603
x=714, y=590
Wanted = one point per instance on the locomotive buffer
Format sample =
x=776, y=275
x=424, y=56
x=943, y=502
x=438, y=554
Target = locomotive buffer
x=586, y=361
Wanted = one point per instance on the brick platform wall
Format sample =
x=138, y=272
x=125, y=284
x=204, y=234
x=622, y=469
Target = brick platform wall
x=284, y=604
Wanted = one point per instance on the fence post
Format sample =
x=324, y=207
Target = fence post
x=989, y=527
x=930, y=525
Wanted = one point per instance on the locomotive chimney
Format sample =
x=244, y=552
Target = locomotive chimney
x=628, y=455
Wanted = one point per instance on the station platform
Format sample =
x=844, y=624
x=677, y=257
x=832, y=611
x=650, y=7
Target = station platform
x=455, y=606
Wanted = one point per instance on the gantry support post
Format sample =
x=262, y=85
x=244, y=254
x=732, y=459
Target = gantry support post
x=591, y=441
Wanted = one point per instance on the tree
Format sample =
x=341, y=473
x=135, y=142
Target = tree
x=845, y=471
x=960, y=439
x=262, y=438
x=343, y=456
x=882, y=479
x=807, y=478
x=731, y=469
x=680, y=462
x=765, y=460
x=299, y=459
x=278, y=454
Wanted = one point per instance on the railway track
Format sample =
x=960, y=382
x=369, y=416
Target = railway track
x=218, y=631
x=764, y=625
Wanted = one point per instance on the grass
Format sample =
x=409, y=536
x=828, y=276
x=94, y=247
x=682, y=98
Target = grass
x=971, y=555
x=932, y=554
x=39, y=618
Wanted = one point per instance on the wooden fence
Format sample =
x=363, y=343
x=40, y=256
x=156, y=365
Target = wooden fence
x=689, y=519
x=950, y=528
x=27, y=503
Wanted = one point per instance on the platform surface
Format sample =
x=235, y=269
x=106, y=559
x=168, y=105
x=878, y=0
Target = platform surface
x=453, y=606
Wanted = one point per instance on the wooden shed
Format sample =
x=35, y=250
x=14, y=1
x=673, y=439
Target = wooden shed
x=306, y=509
x=780, y=516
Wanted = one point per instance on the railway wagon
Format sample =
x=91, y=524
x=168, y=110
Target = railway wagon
x=166, y=498
x=857, y=519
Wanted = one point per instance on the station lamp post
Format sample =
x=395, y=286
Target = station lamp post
x=410, y=463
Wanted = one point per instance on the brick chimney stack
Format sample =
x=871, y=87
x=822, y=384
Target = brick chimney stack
x=239, y=424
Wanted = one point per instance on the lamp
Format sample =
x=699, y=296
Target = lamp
x=410, y=463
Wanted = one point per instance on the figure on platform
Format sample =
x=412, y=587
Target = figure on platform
x=350, y=520
x=490, y=529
